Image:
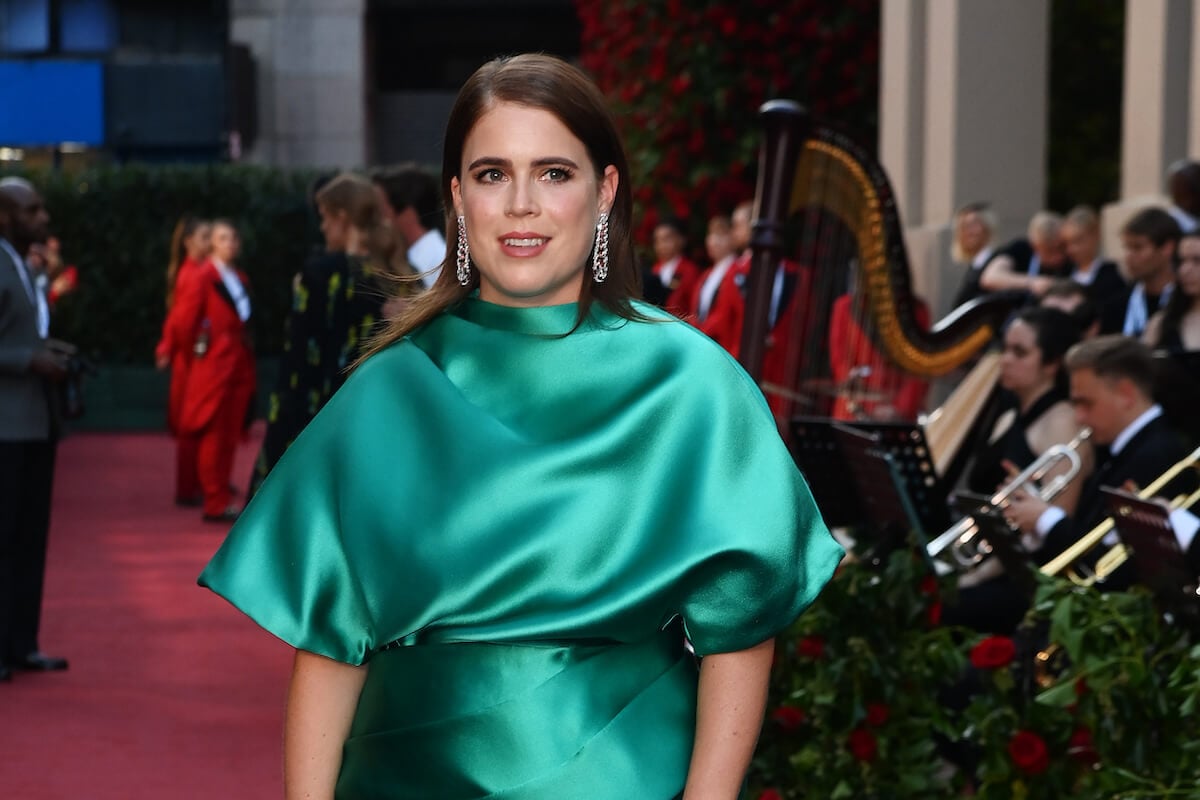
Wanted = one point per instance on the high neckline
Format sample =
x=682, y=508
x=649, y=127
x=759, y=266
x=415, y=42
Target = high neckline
x=555, y=320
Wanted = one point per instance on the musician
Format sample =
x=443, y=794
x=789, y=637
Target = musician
x=974, y=227
x=719, y=246
x=1074, y=299
x=1081, y=238
x=1030, y=264
x=1111, y=389
x=1149, y=239
x=869, y=385
x=1038, y=414
x=1176, y=328
x=674, y=277
x=1183, y=185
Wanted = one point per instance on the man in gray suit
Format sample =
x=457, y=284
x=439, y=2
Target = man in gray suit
x=31, y=364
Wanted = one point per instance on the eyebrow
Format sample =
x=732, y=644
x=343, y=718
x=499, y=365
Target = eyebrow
x=493, y=161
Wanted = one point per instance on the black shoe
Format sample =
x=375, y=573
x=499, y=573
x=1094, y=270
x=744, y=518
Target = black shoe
x=40, y=662
x=228, y=515
x=190, y=502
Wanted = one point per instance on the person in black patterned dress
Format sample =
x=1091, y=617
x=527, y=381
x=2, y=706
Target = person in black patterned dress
x=337, y=302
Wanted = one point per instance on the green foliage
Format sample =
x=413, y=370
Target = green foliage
x=115, y=224
x=864, y=665
x=685, y=79
x=1094, y=699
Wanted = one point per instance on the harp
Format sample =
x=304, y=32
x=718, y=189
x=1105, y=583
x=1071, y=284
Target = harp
x=826, y=205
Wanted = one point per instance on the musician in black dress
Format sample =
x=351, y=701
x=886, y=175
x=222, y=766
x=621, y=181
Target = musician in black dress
x=1174, y=333
x=1038, y=416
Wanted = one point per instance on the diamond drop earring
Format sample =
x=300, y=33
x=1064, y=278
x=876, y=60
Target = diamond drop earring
x=464, y=253
x=600, y=252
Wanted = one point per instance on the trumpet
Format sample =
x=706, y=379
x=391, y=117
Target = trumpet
x=963, y=542
x=1117, y=555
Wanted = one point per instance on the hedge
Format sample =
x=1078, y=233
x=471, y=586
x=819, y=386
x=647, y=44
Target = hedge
x=115, y=225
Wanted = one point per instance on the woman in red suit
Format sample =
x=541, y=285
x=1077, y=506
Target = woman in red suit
x=676, y=273
x=190, y=244
x=863, y=374
x=213, y=311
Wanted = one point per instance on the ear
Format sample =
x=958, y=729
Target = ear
x=456, y=196
x=608, y=188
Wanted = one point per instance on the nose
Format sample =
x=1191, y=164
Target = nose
x=521, y=202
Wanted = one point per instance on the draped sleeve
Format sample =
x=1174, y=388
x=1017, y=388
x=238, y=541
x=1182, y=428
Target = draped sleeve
x=492, y=480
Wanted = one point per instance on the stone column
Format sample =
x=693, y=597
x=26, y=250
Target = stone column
x=311, y=80
x=1156, y=106
x=977, y=70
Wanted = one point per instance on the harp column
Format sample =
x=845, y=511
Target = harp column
x=963, y=87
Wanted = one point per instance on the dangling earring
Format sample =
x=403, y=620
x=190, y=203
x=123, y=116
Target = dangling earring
x=600, y=253
x=464, y=253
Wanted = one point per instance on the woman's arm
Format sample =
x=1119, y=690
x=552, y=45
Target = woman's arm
x=321, y=702
x=731, y=700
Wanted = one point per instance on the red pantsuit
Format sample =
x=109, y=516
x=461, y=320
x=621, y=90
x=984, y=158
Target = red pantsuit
x=724, y=320
x=176, y=347
x=220, y=376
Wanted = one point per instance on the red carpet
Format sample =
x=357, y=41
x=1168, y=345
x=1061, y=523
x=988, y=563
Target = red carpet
x=171, y=692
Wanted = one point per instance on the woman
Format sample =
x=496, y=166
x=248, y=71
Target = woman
x=488, y=545
x=210, y=320
x=1177, y=327
x=1040, y=415
x=674, y=277
x=1176, y=332
x=336, y=306
x=190, y=245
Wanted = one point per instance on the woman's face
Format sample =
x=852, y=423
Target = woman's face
x=718, y=243
x=1021, y=366
x=224, y=243
x=1188, y=274
x=972, y=233
x=531, y=199
x=667, y=243
x=199, y=243
x=335, y=227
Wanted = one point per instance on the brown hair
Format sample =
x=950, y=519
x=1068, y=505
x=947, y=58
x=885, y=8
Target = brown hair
x=184, y=229
x=355, y=196
x=549, y=84
x=1115, y=356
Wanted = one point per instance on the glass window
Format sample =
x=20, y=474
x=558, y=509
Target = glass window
x=25, y=26
x=87, y=26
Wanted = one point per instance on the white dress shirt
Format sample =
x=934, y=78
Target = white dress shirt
x=426, y=256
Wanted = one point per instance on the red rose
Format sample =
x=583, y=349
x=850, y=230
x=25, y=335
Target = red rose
x=1081, y=687
x=934, y=614
x=811, y=647
x=877, y=714
x=993, y=652
x=861, y=743
x=929, y=585
x=1081, y=748
x=770, y=794
x=1028, y=752
x=788, y=717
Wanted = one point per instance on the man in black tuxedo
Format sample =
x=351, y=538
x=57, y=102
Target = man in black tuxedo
x=1031, y=264
x=1111, y=384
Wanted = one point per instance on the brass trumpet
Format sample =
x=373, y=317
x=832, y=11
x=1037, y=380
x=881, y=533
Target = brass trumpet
x=1066, y=564
x=963, y=542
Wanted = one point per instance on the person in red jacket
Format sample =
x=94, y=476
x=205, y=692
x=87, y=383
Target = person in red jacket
x=190, y=244
x=871, y=387
x=213, y=311
x=676, y=274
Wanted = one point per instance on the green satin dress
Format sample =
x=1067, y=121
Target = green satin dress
x=516, y=528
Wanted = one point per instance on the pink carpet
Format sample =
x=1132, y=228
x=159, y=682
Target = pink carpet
x=171, y=692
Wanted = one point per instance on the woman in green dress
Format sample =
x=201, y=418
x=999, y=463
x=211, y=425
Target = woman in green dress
x=540, y=542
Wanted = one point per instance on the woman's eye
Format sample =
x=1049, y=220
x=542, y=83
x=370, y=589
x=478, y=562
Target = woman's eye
x=490, y=176
x=557, y=174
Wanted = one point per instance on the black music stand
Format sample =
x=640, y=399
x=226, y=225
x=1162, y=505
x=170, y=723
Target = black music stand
x=886, y=508
x=817, y=452
x=1145, y=529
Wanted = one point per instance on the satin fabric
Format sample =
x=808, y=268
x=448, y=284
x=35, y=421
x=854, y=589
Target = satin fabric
x=491, y=491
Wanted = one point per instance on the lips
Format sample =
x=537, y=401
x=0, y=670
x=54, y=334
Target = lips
x=523, y=244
